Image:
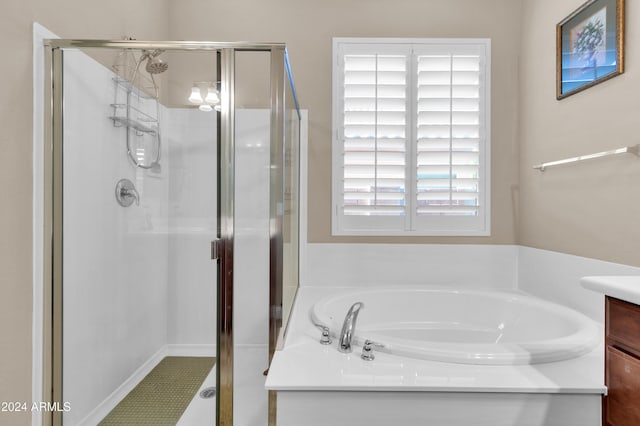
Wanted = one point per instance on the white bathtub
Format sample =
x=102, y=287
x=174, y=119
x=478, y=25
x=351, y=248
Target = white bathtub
x=462, y=326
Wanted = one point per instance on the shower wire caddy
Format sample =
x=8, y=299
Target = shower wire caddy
x=136, y=108
x=128, y=112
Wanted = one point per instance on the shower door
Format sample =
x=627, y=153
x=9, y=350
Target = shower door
x=265, y=139
x=141, y=201
x=151, y=159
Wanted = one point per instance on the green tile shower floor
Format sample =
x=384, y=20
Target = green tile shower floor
x=163, y=395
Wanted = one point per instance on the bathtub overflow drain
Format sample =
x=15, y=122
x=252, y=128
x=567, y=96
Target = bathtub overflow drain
x=208, y=393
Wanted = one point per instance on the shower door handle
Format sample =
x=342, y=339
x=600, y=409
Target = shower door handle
x=215, y=249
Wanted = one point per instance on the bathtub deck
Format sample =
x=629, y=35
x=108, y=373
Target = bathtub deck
x=317, y=385
x=305, y=365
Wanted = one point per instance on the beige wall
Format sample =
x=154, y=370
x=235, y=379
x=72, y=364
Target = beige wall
x=308, y=28
x=589, y=209
x=67, y=18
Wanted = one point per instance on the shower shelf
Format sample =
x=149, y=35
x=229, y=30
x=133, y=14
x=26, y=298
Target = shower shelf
x=128, y=115
x=132, y=109
x=141, y=116
x=133, y=124
x=142, y=89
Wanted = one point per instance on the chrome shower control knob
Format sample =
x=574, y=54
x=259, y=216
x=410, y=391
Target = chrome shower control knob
x=126, y=193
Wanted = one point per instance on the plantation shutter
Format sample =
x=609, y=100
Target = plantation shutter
x=450, y=136
x=410, y=148
x=373, y=137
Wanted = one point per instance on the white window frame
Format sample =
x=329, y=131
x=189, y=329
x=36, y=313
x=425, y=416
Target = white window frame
x=410, y=224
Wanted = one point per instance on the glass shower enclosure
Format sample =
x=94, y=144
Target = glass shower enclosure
x=172, y=207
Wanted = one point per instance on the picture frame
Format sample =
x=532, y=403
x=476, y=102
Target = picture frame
x=589, y=46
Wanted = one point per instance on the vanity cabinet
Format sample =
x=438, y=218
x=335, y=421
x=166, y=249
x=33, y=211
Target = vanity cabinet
x=621, y=406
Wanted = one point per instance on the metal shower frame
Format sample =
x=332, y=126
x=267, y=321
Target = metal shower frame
x=281, y=78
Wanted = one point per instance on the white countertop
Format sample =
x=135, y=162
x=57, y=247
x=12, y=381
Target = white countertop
x=304, y=364
x=623, y=287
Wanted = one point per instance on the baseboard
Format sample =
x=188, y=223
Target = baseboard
x=112, y=400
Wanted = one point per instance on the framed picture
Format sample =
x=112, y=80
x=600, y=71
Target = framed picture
x=590, y=46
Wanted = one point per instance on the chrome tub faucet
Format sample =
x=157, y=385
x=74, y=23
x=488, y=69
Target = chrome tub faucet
x=349, y=327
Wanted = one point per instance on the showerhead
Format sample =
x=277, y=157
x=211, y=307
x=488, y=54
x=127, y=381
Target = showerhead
x=154, y=64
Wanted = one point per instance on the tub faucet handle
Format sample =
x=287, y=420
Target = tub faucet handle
x=367, y=350
x=325, y=339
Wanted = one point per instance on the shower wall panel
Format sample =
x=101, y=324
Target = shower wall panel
x=115, y=273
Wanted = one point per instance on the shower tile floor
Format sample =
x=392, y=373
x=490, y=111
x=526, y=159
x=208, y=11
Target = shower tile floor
x=250, y=398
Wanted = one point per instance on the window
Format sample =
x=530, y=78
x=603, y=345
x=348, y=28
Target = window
x=411, y=136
